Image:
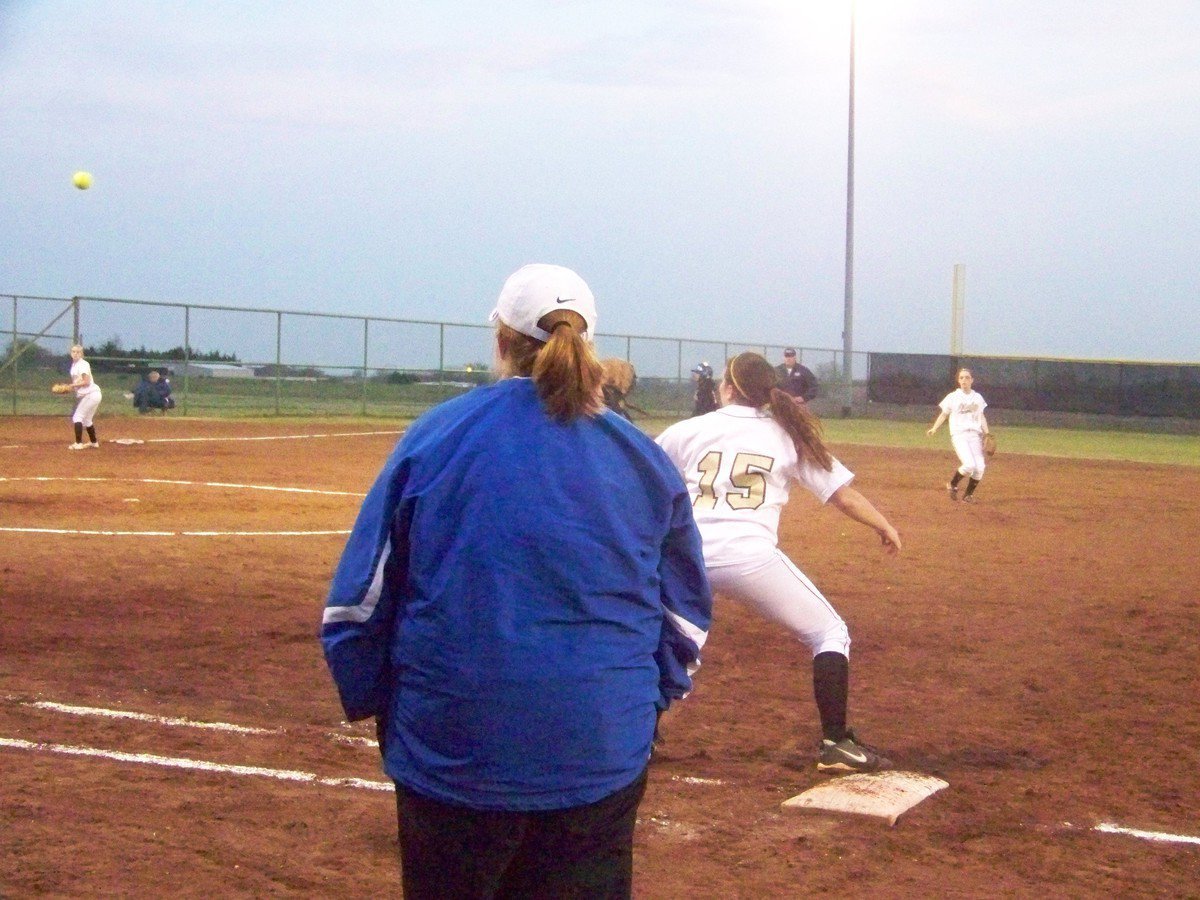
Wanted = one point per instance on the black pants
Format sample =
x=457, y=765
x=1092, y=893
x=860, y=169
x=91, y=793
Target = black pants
x=454, y=852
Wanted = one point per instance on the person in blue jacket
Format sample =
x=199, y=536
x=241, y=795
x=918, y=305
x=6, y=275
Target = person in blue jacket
x=153, y=392
x=523, y=593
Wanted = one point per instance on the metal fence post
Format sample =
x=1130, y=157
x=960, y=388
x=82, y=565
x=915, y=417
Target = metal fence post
x=14, y=352
x=278, y=358
x=442, y=358
x=187, y=355
x=366, y=350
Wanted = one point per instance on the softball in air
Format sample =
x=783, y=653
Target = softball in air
x=82, y=180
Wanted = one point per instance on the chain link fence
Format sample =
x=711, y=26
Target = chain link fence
x=225, y=360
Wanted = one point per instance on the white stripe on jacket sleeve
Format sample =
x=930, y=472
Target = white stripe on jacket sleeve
x=362, y=611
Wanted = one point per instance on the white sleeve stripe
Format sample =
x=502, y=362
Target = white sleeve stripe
x=696, y=635
x=362, y=612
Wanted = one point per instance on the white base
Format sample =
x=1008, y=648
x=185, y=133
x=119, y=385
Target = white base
x=883, y=795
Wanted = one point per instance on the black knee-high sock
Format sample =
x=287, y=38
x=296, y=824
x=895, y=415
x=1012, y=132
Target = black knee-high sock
x=91, y=430
x=79, y=432
x=971, y=485
x=831, y=685
x=958, y=476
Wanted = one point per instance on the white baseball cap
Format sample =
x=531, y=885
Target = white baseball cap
x=539, y=288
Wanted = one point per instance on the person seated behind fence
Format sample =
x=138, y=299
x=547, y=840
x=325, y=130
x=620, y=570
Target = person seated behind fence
x=153, y=392
x=706, y=390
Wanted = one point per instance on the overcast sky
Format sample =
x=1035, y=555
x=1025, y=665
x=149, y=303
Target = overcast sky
x=686, y=157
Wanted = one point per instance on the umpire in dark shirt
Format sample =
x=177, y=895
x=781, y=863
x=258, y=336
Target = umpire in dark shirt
x=794, y=378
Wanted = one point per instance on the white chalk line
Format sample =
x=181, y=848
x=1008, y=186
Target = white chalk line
x=278, y=437
x=272, y=437
x=183, y=722
x=176, y=762
x=309, y=777
x=695, y=779
x=366, y=784
x=355, y=741
x=182, y=483
x=174, y=721
x=1159, y=836
x=146, y=717
x=174, y=533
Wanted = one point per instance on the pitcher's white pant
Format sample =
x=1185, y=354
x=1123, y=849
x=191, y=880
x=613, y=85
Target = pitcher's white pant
x=969, y=447
x=86, y=408
x=779, y=591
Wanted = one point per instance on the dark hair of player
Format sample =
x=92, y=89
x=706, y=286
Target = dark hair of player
x=752, y=380
x=564, y=369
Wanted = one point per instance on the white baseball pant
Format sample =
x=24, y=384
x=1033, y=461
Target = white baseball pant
x=969, y=447
x=779, y=591
x=86, y=408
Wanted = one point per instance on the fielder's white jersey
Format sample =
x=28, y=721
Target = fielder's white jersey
x=965, y=411
x=83, y=367
x=739, y=465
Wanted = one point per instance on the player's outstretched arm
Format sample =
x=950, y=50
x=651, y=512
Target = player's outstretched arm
x=860, y=509
x=937, y=423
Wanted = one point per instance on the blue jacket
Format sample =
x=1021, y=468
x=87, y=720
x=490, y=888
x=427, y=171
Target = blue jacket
x=517, y=598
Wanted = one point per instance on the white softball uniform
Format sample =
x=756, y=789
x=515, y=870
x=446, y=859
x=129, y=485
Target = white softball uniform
x=964, y=412
x=739, y=465
x=87, y=397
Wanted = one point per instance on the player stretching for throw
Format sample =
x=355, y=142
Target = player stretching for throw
x=964, y=408
x=739, y=463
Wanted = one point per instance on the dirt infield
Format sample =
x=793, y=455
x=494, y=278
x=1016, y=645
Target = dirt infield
x=1036, y=650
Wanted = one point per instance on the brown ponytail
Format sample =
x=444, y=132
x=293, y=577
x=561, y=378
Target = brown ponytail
x=564, y=369
x=753, y=381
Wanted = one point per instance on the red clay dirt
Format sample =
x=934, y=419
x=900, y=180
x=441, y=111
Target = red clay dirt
x=1036, y=650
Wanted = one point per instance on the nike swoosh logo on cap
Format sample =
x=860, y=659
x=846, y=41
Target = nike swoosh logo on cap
x=564, y=299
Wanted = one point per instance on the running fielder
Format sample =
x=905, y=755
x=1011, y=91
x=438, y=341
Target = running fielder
x=964, y=408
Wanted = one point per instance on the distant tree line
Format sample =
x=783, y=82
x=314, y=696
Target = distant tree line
x=112, y=349
x=31, y=353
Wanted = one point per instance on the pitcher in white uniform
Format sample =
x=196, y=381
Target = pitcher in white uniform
x=739, y=463
x=87, y=400
x=964, y=408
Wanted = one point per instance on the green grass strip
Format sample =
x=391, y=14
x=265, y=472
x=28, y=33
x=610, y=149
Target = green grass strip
x=1173, y=449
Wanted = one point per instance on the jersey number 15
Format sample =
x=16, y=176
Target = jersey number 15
x=748, y=477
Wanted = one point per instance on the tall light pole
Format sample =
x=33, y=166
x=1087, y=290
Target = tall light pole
x=848, y=313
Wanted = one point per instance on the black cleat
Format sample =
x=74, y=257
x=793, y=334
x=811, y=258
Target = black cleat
x=849, y=755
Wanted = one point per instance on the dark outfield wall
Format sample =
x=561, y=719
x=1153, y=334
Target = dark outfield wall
x=1051, y=385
